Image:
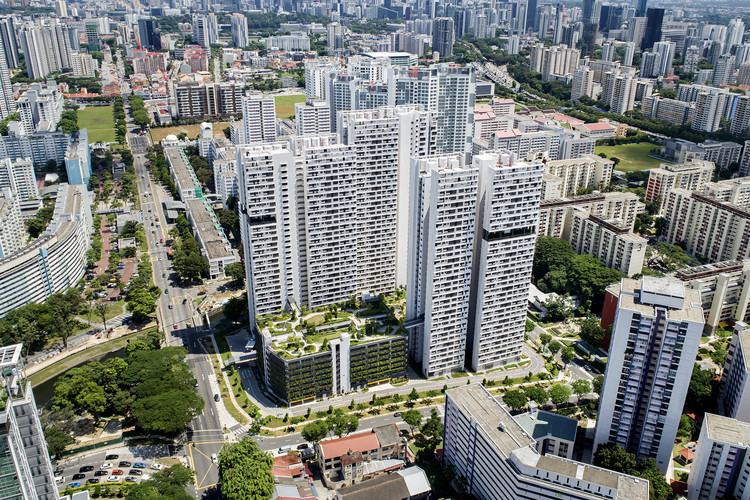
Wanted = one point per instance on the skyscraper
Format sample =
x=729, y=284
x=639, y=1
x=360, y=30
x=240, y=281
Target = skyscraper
x=7, y=102
x=641, y=12
x=443, y=212
x=654, y=20
x=735, y=31
x=10, y=45
x=205, y=30
x=46, y=48
x=531, y=14
x=657, y=328
x=258, y=119
x=443, y=37
x=559, y=23
x=239, y=30
x=723, y=71
x=148, y=36
x=508, y=209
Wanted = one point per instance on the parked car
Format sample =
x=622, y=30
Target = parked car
x=214, y=458
x=125, y=463
x=216, y=398
x=75, y=485
x=156, y=465
x=93, y=480
x=139, y=465
x=118, y=472
x=131, y=479
x=86, y=468
x=113, y=479
x=78, y=476
x=106, y=465
x=135, y=472
x=100, y=473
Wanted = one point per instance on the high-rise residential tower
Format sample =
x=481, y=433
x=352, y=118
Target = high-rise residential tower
x=657, y=328
x=443, y=36
x=239, y=30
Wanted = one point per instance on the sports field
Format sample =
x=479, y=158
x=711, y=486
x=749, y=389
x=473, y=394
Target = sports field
x=632, y=156
x=99, y=123
x=285, y=104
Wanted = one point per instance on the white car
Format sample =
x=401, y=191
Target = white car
x=106, y=465
x=113, y=479
x=145, y=477
x=157, y=466
x=214, y=458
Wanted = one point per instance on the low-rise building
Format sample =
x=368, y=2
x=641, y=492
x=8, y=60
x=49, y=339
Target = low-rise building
x=406, y=484
x=597, y=130
x=498, y=458
x=182, y=173
x=554, y=434
x=210, y=237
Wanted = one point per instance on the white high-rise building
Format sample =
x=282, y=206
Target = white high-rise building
x=317, y=76
x=443, y=212
x=735, y=32
x=447, y=90
x=627, y=57
x=19, y=177
x=721, y=464
x=608, y=51
x=508, y=209
x=12, y=230
x=7, y=102
x=84, y=65
x=723, y=71
x=583, y=84
x=205, y=30
x=734, y=398
x=312, y=117
x=618, y=90
x=40, y=108
x=710, y=108
x=335, y=37
x=240, y=36
x=46, y=48
x=258, y=120
x=657, y=328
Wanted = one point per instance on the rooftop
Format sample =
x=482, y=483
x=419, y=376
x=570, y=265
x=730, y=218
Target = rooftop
x=541, y=424
x=183, y=172
x=727, y=430
x=387, y=435
x=363, y=442
x=598, y=126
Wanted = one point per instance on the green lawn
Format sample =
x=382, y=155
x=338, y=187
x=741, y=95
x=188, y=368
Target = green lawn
x=99, y=122
x=285, y=104
x=632, y=156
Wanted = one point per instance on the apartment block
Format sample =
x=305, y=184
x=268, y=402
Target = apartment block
x=609, y=240
x=588, y=172
x=524, y=143
x=443, y=212
x=619, y=91
x=499, y=458
x=734, y=398
x=46, y=47
x=508, y=205
x=553, y=212
x=671, y=110
x=84, y=65
x=208, y=100
x=312, y=117
x=657, y=328
x=554, y=62
x=19, y=177
x=12, y=230
x=211, y=239
x=40, y=108
x=258, y=120
x=721, y=465
x=691, y=176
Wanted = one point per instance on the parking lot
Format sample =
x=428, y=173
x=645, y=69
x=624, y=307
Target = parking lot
x=116, y=465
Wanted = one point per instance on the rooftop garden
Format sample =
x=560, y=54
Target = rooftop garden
x=304, y=332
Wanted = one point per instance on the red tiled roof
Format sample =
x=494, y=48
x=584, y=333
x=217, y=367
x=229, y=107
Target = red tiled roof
x=508, y=134
x=598, y=126
x=358, y=442
x=686, y=454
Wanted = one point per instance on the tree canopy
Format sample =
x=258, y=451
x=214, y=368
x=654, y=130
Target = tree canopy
x=245, y=471
x=167, y=484
x=613, y=457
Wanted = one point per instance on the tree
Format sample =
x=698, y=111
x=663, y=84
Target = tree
x=413, y=419
x=433, y=427
x=57, y=440
x=190, y=266
x=613, y=457
x=64, y=308
x=686, y=428
x=245, y=471
x=101, y=311
x=516, y=399
x=236, y=271
x=560, y=394
x=413, y=396
x=558, y=308
x=167, y=484
x=545, y=338
x=597, y=384
x=550, y=253
x=658, y=488
x=592, y=332
x=554, y=347
x=701, y=389
x=342, y=424
x=581, y=387
x=314, y=432
x=537, y=394
x=568, y=354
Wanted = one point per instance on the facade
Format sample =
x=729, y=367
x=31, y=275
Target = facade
x=19, y=177
x=619, y=90
x=671, y=110
x=56, y=260
x=148, y=36
x=657, y=328
x=554, y=212
x=7, y=102
x=258, y=120
x=150, y=63
x=205, y=30
x=710, y=107
x=721, y=464
x=508, y=208
x=84, y=65
x=443, y=209
x=691, y=176
x=609, y=240
x=557, y=62
x=312, y=117
x=26, y=467
x=443, y=36
x=288, y=43
x=12, y=230
x=499, y=459
x=741, y=119
x=734, y=398
x=587, y=172
x=208, y=100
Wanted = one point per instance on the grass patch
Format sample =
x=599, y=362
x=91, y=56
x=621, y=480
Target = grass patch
x=90, y=354
x=225, y=399
x=157, y=134
x=632, y=156
x=99, y=122
x=285, y=104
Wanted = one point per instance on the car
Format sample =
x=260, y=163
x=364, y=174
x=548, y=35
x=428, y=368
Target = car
x=171, y=306
x=156, y=218
x=214, y=458
x=161, y=240
x=195, y=384
x=125, y=463
x=166, y=290
x=118, y=472
x=58, y=472
x=160, y=259
x=74, y=485
x=163, y=275
x=106, y=465
x=152, y=223
x=139, y=465
x=303, y=446
x=588, y=368
x=92, y=480
x=78, y=476
x=216, y=398
x=59, y=479
x=113, y=479
x=135, y=472
x=145, y=477
x=131, y=479
x=174, y=327
x=397, y=414
x=100, y=473
x=156, y=465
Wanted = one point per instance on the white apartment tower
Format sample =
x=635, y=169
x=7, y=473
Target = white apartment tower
x=205, y=30
x=446, y=89
x=441, y=242
x=734, y=398
x=19, y=177
x=657, y=328
x=46, y=48
x=618, y=90
x=721, y=465
x=258, y=120
x=240, y=36
x=84, y=65
x=508, y=209
x=317, y=75
x=312, y=117
x=7, y=102
x=12, y=232
x=583, y=83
